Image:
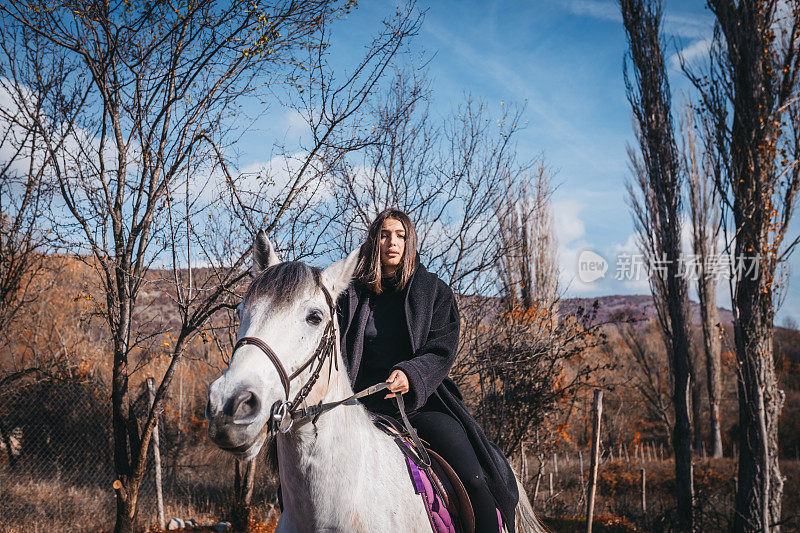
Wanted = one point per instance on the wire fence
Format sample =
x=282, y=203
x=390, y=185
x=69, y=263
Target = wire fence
x=56, y=462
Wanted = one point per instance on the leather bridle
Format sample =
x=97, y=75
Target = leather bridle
x=280, y=409
x=284, y=413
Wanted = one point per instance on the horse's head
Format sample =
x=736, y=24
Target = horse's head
x=285, y=307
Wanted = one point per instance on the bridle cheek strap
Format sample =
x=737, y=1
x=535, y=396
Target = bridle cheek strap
x=264, y=347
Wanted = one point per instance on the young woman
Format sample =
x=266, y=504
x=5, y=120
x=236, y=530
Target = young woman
x=399, y=323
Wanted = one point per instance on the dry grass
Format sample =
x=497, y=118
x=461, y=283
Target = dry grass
x=54, y=505
x=59, y=505
x=619, y=495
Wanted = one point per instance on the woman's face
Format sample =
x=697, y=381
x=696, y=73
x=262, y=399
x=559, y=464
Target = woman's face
x=393, y=244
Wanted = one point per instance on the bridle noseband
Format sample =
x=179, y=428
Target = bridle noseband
x=283, y=413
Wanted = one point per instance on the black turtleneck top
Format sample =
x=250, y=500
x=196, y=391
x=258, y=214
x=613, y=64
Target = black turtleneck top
x=386, y=343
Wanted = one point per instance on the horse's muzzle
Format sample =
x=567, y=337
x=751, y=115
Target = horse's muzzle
x=233, y=419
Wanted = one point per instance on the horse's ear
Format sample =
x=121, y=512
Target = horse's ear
x=337, y=276
x=263, y=253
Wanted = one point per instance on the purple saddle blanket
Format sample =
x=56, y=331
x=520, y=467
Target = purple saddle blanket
x=440, y=518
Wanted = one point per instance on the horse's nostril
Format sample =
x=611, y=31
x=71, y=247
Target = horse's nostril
x=245, y=406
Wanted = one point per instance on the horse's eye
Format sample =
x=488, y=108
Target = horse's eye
x=314, y=318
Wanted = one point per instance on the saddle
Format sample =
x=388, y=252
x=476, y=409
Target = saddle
x=444, y=481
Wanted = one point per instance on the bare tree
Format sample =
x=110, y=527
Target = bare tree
x=24, y=188
x=528, y=265
x=701, y=166
x=749, y=95
x=523, y=368
x=658, y=177
x=444, y=174
x=137, y=133
x=645, y=370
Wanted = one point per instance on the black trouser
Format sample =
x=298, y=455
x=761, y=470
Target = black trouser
x=447, y=437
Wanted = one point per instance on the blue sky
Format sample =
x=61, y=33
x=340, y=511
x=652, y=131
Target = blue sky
x=563, y=58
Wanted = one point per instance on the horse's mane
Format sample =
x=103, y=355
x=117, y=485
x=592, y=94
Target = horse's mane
x=284, y=282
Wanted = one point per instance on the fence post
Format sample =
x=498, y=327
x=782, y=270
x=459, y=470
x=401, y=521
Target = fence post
x=644, y=494
x=597, y=408
x=151, y=392
x=555, y=463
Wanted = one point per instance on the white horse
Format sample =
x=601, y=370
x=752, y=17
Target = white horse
x=339, y=473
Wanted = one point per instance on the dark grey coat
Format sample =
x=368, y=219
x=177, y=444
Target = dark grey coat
x=431, y=314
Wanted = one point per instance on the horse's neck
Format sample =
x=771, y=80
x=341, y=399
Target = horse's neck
x=316, y=459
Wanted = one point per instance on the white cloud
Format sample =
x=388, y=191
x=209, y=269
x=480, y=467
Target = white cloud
x=697, y=49
x=595, y=9
x=675, y=24
x=568, y=224
x=295, y=127
x=688, y=26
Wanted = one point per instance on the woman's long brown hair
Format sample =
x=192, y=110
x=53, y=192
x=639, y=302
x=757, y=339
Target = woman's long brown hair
x=368, y=271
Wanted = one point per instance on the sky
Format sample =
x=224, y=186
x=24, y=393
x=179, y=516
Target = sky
x=563, y=60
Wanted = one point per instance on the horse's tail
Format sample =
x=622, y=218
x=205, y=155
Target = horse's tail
x=526, y=520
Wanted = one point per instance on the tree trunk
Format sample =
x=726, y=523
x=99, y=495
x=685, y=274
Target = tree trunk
x=677, y=304
x=697, y=403
x=682, y=433
x=709, y=317
x=126, y=517
x=244, y=481
x=760, y=487
x=755, y=138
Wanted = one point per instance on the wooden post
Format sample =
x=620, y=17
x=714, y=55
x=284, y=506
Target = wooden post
x=151, y=392
x=244, y=478
x=555, y=463
x=597, y=408
x=524, y=465
x=644, y=494
x=661, y=451
x=551, y=484
x=580, y=458
x=627, y=457
x=538, y=480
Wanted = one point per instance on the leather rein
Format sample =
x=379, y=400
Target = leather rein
x=284, y=413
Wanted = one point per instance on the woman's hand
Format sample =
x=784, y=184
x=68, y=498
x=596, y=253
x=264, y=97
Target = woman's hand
x=398, y=383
